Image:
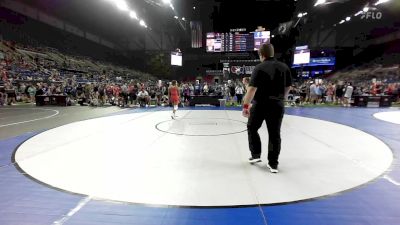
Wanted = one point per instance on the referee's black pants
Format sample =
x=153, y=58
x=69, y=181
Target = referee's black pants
x=272, y=112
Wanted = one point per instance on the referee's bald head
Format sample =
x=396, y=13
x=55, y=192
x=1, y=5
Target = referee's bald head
x=266, y=50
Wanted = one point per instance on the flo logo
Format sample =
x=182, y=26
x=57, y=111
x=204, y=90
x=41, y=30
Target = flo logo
x=371, y=15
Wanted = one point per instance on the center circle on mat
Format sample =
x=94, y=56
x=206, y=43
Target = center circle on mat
x=202, y=126
x=124, y=158
x=391, y=117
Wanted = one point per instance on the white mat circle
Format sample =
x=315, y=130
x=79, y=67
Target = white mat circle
x=125, y=158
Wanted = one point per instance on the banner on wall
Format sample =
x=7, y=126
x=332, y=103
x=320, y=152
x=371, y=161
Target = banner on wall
x=321, y=61
x=239, y=70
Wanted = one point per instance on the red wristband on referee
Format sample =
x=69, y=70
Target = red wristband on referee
x=246, y=106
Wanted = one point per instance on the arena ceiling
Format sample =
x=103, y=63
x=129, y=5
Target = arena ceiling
x=101, y=17
x=105, y=20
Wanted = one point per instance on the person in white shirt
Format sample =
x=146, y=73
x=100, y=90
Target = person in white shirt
x=239, y=93
x=205, y=89
x=347, y=95
x=313, y=93
x=143, y=97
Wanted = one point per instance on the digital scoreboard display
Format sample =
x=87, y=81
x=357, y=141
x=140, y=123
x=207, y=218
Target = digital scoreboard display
x=176, y=58
x=236, y=42
x=301, y=55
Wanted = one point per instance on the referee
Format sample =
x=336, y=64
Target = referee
x=269, y=86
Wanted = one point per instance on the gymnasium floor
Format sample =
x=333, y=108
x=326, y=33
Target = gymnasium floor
x=81, y=165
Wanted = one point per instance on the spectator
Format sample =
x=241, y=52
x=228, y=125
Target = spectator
x=124, y=95
x=31, y=93
x=191, y=88
x=197, y=88
x=246, y=81
x=339, y=93
x=2, y=96
x=11, y=93
x=143, y=98
x=239, y=93
x=132, y=93
x=232, y=93
x=205, y=89
x=347, y=96
x=314, y=90
x=186, y=93
x=329, y=93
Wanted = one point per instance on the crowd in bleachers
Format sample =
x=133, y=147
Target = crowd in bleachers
x=368, y=79
x=27, y=72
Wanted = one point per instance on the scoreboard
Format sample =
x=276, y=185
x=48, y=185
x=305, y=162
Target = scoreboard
x=235, y=42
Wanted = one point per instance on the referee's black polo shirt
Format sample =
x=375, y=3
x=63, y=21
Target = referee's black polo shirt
x=270, y=77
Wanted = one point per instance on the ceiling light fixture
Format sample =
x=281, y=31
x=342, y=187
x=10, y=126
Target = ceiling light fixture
x=381, y=1
x=320, y=2
x=133, y=15
x=122, y=5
